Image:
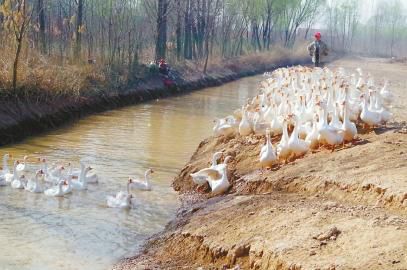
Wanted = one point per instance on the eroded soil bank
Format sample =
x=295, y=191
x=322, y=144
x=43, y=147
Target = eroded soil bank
x=341, y=210
x=25, y=116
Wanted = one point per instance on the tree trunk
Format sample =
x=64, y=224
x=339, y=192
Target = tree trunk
x=188, y=32
x=41, y=22
x=16, y=60
x=178, y=31
x=79, y=20
x=161, y=42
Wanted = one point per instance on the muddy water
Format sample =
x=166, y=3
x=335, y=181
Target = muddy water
x=79, y=231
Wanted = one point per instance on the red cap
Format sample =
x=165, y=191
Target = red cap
x=318, y=35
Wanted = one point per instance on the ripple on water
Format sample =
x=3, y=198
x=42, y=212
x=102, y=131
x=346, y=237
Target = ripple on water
x=79, y=231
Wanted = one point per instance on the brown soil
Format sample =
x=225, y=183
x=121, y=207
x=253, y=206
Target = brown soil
x=340, y=210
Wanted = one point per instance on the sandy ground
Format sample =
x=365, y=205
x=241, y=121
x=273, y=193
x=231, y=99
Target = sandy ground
x=341, y=210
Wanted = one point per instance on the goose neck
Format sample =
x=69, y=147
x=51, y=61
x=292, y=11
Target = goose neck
x=214, y=158
x=147, y=176
x=285, y=132
x=60, y=186
x=345, y=113
x=45, y=167
x=5, y=166
x=15, y=167
x=128, y=188
x=296, y=127
x=82, y=176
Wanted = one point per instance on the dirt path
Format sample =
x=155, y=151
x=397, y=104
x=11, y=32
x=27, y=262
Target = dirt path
x=341, y=210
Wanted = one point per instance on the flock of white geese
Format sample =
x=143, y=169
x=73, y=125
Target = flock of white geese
x=322, y=107
x=58, y=180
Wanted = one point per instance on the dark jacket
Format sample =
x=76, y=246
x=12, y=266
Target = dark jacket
x=313, y=46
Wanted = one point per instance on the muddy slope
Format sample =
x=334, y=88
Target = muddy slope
x=341, y=210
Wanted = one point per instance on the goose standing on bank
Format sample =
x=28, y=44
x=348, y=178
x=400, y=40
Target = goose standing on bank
x=283, y=151
x=245, y=127
x=199, y=177
x=296, y=145
x=327, y=134
x=370, y=118
x=217, y=177
x=220, y=184
x=267, y=153
x=386, y=94
x=348, y=126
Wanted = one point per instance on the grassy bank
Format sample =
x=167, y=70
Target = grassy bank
x=49, y=96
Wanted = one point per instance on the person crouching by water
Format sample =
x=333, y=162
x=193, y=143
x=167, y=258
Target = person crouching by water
x=163, y=67
x=316, y=49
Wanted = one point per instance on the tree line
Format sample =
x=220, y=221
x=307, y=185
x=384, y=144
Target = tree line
x=121, y=33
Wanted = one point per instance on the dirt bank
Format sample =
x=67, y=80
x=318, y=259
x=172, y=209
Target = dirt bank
x=25, y=116
x=341, y=210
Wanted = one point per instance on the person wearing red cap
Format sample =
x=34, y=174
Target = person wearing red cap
x=317, y=49
x=163, y=67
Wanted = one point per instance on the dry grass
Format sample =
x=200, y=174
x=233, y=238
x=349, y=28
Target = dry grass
x=41, y=76
x=45, y=78
x=252, y=60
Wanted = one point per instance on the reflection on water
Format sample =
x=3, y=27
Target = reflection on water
x=78, y=231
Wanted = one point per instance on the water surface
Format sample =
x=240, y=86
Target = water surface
x=79, y=231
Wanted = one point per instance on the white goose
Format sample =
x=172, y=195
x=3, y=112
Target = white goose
x=386, y=94
x=91, y=176
x=52, y=175
x=245, y=127
x=283, y=151
x=385, y=114
x=312, y=137
x=3, y=181
x=223, y=128
x=327, y=134
x=217, y=177
x=220, y=185
x=268, y=154
x=5, y=169
x=370, y=118
x=140, y=184
x=199, y=178
x=348, y=127
x=19, y=183
x=121, y=200
x=297, y=146
x=9, y=177
x=23, y=167
x=56, y=191
x=276, y=125
x=82, y=182
x=259, y=125
x=33, y=185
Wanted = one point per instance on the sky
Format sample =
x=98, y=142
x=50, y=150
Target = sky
x=366, y=7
